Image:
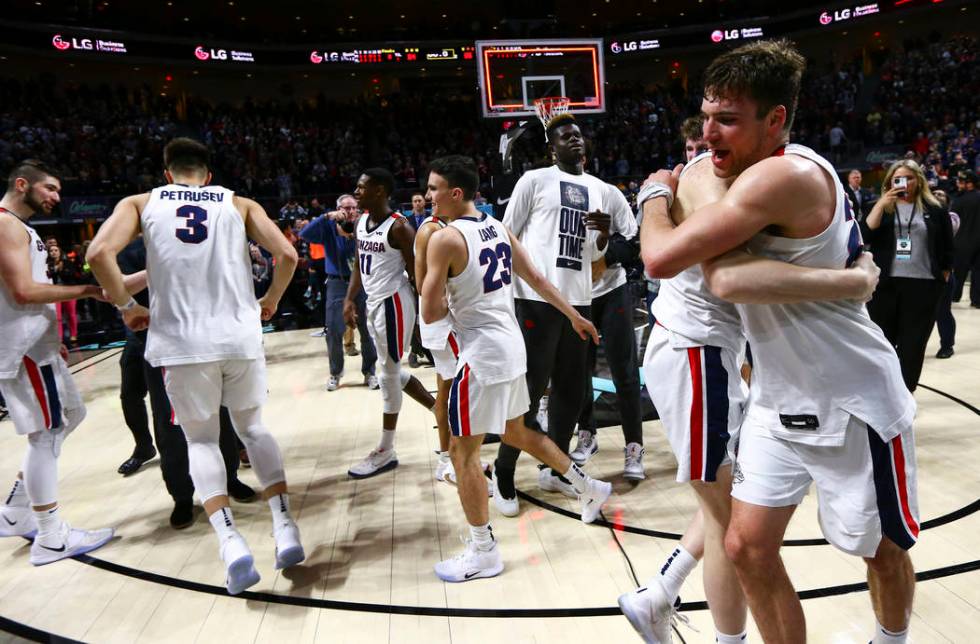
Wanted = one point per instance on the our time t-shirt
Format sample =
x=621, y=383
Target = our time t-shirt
x=547, y=213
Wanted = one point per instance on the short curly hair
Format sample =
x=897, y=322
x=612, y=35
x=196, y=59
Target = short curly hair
x=767, y=71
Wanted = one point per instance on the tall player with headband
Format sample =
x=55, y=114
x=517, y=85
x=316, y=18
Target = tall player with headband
x=470, y=266
x=205, y=330
x=828, y=404
x=562, y=216
x=44, y=403
x=385, y=267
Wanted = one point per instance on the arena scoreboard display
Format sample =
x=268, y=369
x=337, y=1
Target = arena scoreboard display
x=513, y=73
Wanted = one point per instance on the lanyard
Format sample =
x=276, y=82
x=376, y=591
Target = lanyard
x=908, y=224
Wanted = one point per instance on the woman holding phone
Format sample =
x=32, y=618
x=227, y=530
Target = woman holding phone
x=911, y=237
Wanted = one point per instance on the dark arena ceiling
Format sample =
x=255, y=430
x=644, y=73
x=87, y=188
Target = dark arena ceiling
x=295, y=21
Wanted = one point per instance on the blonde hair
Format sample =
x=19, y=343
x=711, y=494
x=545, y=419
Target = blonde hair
x=923, y=196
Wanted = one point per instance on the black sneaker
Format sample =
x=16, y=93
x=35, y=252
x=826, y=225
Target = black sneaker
x=182, y=515
x=945, y=352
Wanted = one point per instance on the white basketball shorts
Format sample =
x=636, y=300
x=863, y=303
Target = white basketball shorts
x=700, y=396
x=866, y=488
x=390, y=323
x=42, y=390
x=196, y=391
x=476, y=408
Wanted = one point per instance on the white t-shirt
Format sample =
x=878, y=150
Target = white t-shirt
x=547, y=214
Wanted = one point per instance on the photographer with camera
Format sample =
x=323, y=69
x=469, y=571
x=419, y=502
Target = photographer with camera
x=911, y=237
x=335, y=230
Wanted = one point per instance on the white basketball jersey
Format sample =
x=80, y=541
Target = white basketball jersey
x=22, y=326
x=481, y=302
x=546, y=212
x=434, y=336
x=818, y=363
x=382, y=267
x=686, y=307
x=202, y=301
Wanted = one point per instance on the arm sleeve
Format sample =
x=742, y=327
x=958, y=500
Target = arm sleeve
x=519, y=207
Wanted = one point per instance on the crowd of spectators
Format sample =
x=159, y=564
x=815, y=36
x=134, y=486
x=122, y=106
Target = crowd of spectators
x=109, y=139
x=921, y=98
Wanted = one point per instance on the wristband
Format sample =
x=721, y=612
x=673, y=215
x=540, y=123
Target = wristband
x=653, y=190
x=128, y=305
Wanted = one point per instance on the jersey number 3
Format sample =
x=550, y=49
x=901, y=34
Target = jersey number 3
x=489, y=257
x=193, y=231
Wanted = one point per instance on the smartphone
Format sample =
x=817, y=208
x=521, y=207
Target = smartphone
x=901, y=182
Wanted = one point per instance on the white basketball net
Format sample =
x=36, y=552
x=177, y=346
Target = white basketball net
x=549, y=108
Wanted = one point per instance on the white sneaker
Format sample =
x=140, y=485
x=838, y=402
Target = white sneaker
x=650, y=612
x=73, y=542
x=506, y=507
x=333, y=383
x=289, y=550
x=445, y=471
x=633, y=464
x=318, y=334
x=371, y=381
x=376, y=462
x=594, y=498
x=470, y=564
x=550, y=482
x=239, y=563
x=17, y=522
x=587, y=446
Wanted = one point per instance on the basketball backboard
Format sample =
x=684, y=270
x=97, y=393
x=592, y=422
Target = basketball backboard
x=512, y=73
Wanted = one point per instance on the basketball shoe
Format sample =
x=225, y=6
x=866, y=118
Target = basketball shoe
x=585, y=448
x=68, y=542
x=470, y=564
x=289, y=550
x=650, y=612
x=239, y=563
x=507, y=505
x=17, y=521
x=378, y=461
x=594, y=497
x=551, y=482
x=633, y=462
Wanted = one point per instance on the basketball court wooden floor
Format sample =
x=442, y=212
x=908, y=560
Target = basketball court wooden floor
x=371, y=544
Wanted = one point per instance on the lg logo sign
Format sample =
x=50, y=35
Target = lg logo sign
x=718, y=35
x=78, y=43
x=204, y=54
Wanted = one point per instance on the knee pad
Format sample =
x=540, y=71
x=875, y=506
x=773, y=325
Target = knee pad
x=263, y=450
x=391, y=391
x=41, y=468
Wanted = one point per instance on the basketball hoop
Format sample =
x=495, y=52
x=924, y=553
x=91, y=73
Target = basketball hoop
x=549, y=108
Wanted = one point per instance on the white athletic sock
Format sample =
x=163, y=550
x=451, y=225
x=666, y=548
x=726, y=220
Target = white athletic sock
x=482, y=537
x=721, y=638
x=279, y=504
x=18, y=495
x=675, y=570
x=884, y=636
x=48, y=526
x=387, y=439
x=223, y=523
x=444, y=457
x=578, y=478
